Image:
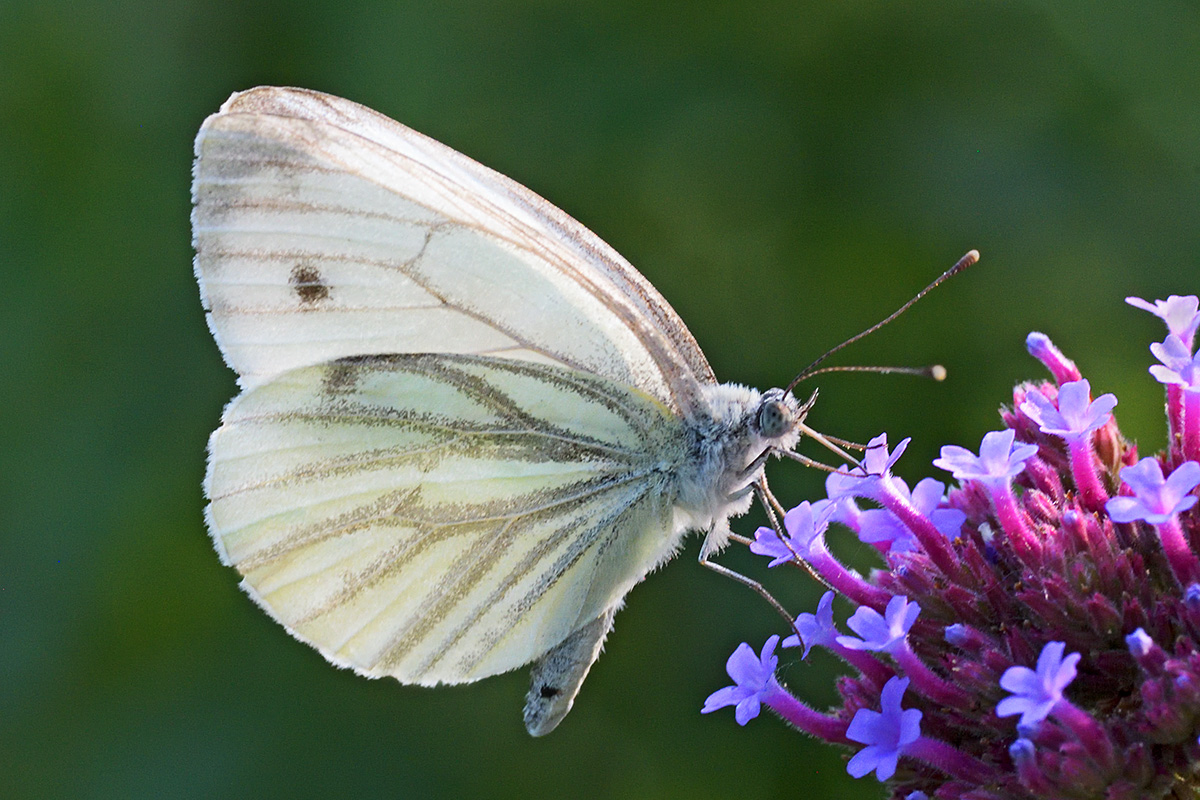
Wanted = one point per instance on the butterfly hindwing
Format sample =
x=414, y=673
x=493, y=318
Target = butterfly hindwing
x=442, y=518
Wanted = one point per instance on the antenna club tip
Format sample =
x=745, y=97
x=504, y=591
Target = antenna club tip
x=971, y=257
x=937, y=372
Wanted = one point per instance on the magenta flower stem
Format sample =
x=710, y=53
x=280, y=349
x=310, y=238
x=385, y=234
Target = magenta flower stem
x=781, y=701
x=932, y=540
x=1087, y=479
x=1063, y=368
x=1175, y=421
x=1191, y=424
x=847, y=583
x=1183, y=561
x=949, y=760
x=867, y=665
x=1012, y=521
x=928, y=682
x=1091, y=734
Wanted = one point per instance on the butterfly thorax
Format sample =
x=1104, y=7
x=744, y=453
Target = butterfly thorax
x=741, y=424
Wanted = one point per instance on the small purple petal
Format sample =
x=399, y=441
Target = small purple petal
x=808, y=521
x=879, y=526
x=767, y=543
x=926, y=498
x=949, y=522
x=725, y=696
x=815, y=629
x=747, y=710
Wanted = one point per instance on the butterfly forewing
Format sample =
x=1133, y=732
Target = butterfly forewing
x=325, y=230
x=442, y=518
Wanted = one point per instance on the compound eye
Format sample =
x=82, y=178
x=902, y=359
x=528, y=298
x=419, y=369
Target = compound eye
x=774, y=419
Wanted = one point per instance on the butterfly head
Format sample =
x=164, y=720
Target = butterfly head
x=779, y=416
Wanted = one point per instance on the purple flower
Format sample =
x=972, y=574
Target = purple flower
x=994, y=570
x=805, y=525
x=999, y=459
x=1178, y=312
x=1155, y=500
x=753, y=677
x=881, y=632
x=1178, y=366
x=879, y=525
x=957, y=634
x=1035, y=693
x=886, y=733
x=815, y=629
x=877, y=460
x=1139, y=642
x=878, y=463
x=1074, y=416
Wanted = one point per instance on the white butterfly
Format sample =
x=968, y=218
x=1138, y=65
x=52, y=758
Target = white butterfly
x=467, y=426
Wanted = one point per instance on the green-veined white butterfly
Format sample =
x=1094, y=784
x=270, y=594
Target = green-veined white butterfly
x=467, y=426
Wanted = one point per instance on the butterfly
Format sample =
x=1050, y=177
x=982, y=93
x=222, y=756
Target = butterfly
x=467, y=427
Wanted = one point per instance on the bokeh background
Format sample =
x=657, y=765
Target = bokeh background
x=786, y=174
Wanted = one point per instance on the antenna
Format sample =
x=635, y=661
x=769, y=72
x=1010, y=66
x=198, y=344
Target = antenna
x=967, y=260
x=934, y=371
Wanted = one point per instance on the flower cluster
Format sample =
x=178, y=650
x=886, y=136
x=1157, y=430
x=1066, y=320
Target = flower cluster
x=1035, y=632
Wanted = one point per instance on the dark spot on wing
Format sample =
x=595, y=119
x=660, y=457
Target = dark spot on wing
x=547, y=691
x=340, y=378
x=308, y=285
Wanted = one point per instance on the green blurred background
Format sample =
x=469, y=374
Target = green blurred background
x=786, y=174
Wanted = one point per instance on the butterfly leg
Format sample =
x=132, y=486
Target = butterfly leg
x=706, y=551
x=753, y=468
x=556, y=677
x=775, y=513
x=753, y=584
